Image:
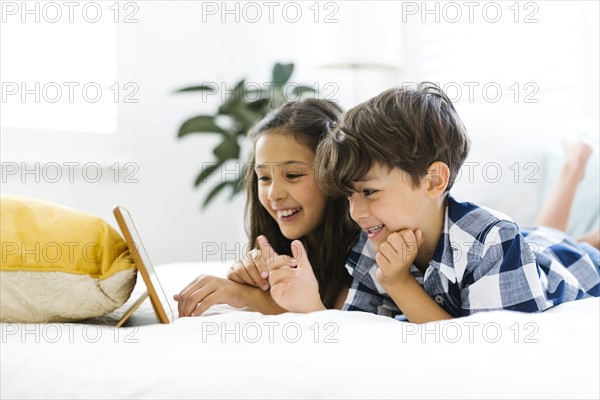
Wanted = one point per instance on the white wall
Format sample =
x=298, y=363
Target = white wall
x=544, y=57
x=171, y=47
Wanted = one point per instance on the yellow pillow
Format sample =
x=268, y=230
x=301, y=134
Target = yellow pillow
x=59, y=264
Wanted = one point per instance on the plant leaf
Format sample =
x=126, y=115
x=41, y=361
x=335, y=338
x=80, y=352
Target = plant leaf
x=214, y=192
x=282, y=73
x=244, y=106
x=300, y=90
x=257, y=94
x=206, y=172
x=200, y=124
x=244, y=117
x=199, y=88
x=228, y=149
x=259, y=105
x=234, y=98
x=278, y=98
x=239, y=92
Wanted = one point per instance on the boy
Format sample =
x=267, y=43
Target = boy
x=396, y=157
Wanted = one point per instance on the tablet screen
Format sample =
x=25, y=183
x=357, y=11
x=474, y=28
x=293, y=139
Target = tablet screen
x=136, y=247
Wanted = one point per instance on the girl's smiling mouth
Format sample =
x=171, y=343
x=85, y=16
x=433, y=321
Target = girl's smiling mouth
x=288, y=214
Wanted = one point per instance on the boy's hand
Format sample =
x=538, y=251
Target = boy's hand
x=396, y=255
x=296, y=289
x=252, y=268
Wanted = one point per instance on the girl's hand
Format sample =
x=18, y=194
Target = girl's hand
x=253, y=270
x=296, y=289
x=206, y=291
x=396, y=255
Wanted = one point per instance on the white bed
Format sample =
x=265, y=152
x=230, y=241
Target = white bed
x=239, y=354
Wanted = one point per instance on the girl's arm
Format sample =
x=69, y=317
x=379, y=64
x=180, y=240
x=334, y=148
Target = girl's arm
x=261, y=301
x=297, y=288
x=206, y=291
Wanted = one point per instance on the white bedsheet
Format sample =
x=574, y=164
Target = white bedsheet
x=233, y=354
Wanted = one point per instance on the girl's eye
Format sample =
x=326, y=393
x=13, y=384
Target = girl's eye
x=294, y=176
x=368, y=192
x=263, y=178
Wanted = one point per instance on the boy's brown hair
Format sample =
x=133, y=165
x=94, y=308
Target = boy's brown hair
x=405, y=128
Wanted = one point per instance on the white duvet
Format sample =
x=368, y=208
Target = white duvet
x=239, y=354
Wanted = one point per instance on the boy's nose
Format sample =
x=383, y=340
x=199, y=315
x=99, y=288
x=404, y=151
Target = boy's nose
x=358, y=210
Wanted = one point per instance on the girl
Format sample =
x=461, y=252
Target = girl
x=286, y=206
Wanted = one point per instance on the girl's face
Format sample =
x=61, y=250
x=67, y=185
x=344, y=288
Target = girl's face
x=286, y=184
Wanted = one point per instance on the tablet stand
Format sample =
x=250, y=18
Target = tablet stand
x=132, y=308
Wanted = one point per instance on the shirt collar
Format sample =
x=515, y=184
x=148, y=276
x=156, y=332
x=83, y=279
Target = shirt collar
x=442, y=246
x=367, y=255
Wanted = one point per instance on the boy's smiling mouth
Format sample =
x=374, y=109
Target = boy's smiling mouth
x=374, y=230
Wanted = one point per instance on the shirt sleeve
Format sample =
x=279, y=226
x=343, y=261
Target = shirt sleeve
x=502, y=273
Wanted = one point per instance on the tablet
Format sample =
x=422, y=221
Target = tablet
x=154, y=290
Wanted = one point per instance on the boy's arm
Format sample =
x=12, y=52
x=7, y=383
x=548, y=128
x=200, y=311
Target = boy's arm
x=506, y=276
x=394, y=258
x=415, y=303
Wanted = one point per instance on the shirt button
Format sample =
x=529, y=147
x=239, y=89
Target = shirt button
x=439, y=299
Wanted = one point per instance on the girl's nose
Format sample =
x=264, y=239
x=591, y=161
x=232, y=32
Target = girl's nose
x=276, y=191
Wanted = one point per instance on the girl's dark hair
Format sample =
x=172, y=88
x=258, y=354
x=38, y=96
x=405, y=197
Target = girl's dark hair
x=309, y=121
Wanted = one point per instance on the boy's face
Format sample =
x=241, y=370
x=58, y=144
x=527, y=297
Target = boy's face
x=385, y=201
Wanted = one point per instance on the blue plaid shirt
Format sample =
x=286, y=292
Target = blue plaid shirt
x=484, y=262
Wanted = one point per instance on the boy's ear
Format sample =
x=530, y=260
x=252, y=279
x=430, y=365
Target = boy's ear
x=438, y=176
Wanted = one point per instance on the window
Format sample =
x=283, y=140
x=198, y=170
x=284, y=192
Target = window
x=58, y=76
x=61, y=99
x=521, y=57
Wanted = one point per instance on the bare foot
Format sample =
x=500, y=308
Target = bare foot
x=592, y=238
x=577, y=154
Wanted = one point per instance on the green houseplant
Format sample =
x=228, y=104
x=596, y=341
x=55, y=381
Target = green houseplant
x=243, y=107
